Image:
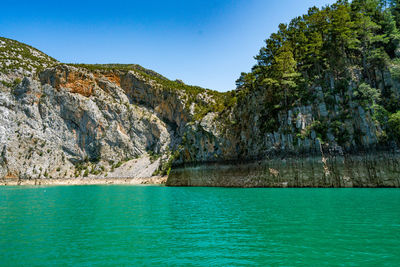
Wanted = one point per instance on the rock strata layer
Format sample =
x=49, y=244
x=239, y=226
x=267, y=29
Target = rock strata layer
x=375, y=170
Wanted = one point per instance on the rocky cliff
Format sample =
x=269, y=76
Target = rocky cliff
x=58, y=120
x=66, y=125
x=327, y=83
x=330, y=124
x=72, y=121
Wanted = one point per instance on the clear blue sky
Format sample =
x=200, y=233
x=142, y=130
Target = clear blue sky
x=205, y=43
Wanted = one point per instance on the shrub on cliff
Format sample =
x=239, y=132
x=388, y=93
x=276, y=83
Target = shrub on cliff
x=366, y=95
x=394, y=124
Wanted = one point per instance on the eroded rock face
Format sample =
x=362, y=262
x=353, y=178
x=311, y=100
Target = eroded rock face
x=302, y=130
x=69, y=78
x=168, y=105
x=67, y=123
x=205, y=141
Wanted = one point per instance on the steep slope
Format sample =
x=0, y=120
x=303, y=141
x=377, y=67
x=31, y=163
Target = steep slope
x=327, y=82
x=91, y=120
x=18, y=60
x=324, y=96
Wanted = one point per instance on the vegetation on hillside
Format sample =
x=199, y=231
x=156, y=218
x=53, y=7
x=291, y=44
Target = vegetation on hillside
x=16, y=56
x=340, y=45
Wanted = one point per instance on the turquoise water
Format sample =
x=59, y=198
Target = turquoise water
x=128, y=225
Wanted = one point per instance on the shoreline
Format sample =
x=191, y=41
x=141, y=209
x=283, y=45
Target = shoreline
x=155, y=180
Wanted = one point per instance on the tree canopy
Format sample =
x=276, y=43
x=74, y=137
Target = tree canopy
x=327, y=46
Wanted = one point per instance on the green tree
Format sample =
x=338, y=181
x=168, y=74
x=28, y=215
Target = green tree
x=284, y=73
x=366, y=95
x=394, y=125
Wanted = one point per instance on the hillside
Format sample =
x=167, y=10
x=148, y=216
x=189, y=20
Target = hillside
x=18, y=60
x=79, y=120
x=327, y=82
x=330, y=78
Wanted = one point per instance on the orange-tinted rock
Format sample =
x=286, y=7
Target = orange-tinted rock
x=76, y=80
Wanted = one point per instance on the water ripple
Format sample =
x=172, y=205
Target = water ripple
x=126, y=225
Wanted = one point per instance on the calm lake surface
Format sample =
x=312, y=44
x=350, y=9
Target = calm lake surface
x=133, y=225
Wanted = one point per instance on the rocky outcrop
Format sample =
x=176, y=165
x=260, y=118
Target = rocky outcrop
x=205, y=141
x=330, y=124
x=167, y=104
x=59, y=127
x=69, y=78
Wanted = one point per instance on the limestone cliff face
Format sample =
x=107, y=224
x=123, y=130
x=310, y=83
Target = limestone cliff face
x=331, y=141
x=168, y=105
x=208, y=141
x=70, y=79
x=59, y=120
x=310, y=128
x=66, y=120
x=328, y=124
